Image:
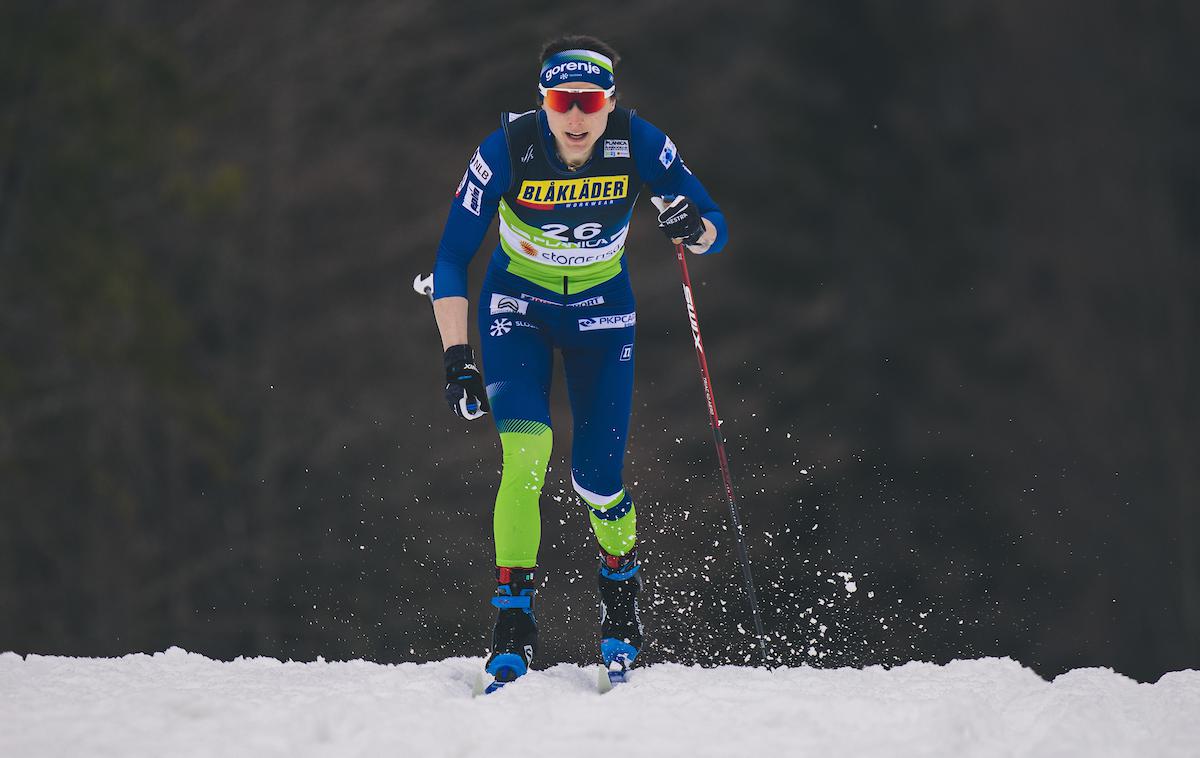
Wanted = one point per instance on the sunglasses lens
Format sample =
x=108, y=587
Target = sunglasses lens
x=589, y=101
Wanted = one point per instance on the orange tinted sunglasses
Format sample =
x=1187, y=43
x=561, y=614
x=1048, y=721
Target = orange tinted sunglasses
x=588, y=100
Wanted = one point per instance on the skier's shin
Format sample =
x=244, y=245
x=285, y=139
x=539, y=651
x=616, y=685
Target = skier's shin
x=617, y=536
x=516, y=520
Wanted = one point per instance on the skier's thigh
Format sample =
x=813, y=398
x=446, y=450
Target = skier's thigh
x=517, y=361
x=600, y=386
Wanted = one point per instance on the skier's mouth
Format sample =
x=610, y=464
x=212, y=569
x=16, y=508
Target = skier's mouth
x=576, y=136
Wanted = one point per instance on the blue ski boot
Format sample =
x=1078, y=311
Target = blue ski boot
x=514, y=640
x=620, y=625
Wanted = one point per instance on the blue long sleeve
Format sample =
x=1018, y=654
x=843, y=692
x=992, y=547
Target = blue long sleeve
x=483, y=184
x=664, y=171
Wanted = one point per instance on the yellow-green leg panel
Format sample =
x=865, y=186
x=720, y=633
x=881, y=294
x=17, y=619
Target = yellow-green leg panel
x=613, y=517
x=616, y=537
x=516, y=522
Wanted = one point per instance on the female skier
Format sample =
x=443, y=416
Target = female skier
x=564, y=179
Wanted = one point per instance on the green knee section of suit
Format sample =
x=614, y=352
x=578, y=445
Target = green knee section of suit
x=616, y=537
x=516, y=521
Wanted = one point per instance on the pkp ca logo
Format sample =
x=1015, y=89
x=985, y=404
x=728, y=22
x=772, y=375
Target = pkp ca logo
x=500, y=327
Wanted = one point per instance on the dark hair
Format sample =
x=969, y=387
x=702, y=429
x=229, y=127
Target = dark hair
x=578, y=42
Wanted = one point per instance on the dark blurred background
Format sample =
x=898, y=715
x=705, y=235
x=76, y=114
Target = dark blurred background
x=953, y=336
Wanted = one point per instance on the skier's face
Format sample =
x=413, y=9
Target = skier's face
x=576, y=132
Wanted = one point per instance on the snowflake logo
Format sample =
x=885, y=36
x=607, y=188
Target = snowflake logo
x=501, y=327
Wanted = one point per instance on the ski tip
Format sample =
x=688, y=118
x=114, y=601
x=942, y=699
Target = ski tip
x=486, y=685
x=603, y=682
x=608, y=678
x=478, y=685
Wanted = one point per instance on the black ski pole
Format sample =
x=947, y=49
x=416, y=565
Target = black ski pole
x=718, y=438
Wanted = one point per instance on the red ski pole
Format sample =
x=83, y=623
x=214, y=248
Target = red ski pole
x=719, y=439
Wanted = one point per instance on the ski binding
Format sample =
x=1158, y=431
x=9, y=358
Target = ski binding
x=618, y=656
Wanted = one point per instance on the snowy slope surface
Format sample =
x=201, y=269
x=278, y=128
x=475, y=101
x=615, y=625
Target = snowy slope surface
x=181, y=704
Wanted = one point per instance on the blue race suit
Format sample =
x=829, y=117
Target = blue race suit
x=558, y=279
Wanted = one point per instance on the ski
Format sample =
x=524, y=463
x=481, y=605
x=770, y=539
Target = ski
x=607, y=679
x=616, y=672
x=486, y=684
x=502, y=669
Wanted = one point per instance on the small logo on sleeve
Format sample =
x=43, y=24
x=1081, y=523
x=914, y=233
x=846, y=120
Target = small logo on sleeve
x=480, y=168
x=627, y=353
x=473, y=198
x=667, y=156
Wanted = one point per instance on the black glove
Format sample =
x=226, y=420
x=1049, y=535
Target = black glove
x=465, y=393
x=681, y=221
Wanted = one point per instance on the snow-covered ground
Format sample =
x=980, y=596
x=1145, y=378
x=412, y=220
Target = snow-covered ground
x=182, y=704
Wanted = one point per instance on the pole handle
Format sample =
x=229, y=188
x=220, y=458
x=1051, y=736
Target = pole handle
x=423, y=284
